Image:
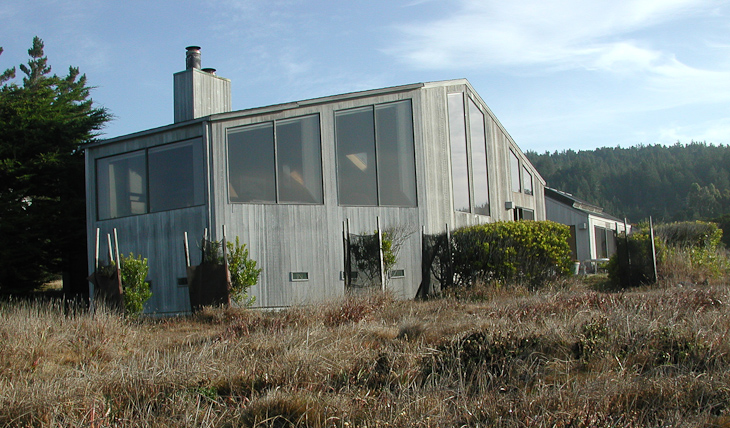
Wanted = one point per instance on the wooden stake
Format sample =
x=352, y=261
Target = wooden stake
x=116, y=248
x=187, y=251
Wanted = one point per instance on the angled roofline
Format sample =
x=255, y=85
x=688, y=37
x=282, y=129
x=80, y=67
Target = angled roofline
x=577, y=203
x=273, y=108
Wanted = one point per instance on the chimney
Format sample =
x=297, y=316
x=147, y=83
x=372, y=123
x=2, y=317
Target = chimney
x=199, y=92
x=192, y=57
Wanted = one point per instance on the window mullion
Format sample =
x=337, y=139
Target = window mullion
x=276, y=163
x=377, y=161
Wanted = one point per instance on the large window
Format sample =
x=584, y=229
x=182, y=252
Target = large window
x=122, y=185
x=175, y=176
x=601, y=234
x=479, y=159
x=158, y=179
x=375, y=155
x=459, y=154
x=468, y=137
x=276, y=162
x=514, y=167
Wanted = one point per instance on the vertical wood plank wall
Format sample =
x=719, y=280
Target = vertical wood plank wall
x=285, y=238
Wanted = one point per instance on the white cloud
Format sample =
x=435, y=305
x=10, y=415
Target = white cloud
x=558, y=33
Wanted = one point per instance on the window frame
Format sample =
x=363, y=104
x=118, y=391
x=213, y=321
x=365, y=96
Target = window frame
x=472, y=169
x=527, y=178
x=514, y=167
x=145, y=154
x=277, y=196
x=372, y=109
x=463, y=124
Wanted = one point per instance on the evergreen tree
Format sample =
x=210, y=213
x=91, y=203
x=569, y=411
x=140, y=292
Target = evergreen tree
x=43, y=123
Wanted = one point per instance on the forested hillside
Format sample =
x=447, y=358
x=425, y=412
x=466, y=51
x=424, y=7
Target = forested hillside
x=679, y=182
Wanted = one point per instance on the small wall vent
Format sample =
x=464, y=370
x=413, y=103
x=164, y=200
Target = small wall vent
x=298, y=276
x=397, y=273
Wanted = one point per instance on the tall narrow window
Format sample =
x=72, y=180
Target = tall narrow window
x=526, y=181
x=121, y=185
x=396, y=158
x=601, y=242
x=375, y=155
x=479, y=159
x=514, y=167
x=459, y=160
x=176, y=177
x=356, y=175
x=251, y=172
x=299, y=160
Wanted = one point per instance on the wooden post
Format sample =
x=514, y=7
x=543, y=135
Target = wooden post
x=187, y=251
x=653, y=248
x=116, y=249
x=449, y=261
x=109, y=248
x=345, y=252
x=349, y=258
x=96, y=269
x=96, y=253
x=223, y=247
x=380, y=254
x=628, y=252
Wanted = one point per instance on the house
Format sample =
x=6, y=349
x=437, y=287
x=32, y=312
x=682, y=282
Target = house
x=289, y=179
x=593, y=233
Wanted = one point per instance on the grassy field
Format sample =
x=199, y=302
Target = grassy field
x=565, y=357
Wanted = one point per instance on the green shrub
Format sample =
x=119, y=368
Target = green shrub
x=366, y=254
x=531, y=253
x=136, y=289
x=689, y=234
x=244, y=273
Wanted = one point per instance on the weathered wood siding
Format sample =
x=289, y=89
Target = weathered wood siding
x=438, y=202
x=198, y=93
x=156, y=236
x=285, y=238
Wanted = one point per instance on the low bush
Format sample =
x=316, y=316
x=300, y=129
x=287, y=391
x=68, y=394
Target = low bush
x=530, y=253
x=244, y=273
x=136, y=288
x=685, y=251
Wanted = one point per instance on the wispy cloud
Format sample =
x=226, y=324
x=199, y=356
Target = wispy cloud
x=567, y=33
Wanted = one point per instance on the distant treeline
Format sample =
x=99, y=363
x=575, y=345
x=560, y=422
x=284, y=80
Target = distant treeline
x=679, y=182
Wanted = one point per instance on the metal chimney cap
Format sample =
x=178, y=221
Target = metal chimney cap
x=192, y=57
x=209, y=70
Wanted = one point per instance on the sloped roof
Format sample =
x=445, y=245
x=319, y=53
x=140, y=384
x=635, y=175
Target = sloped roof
x=577, y=203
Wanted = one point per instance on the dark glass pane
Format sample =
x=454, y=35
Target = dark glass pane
x=175, y=176
x=479, y=159
x=121, y=185
x=459, y=162
x=526, y=181
x=514, y=167
x=356, y=175
x=396, y=159
x=299, y=160
x=251, y=164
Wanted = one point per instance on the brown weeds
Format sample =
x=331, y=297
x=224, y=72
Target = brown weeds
x=567, y=357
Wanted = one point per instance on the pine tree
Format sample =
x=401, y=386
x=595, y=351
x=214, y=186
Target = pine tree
x=43, y=124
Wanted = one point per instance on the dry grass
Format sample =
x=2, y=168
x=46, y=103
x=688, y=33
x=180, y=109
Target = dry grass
x=566, y=357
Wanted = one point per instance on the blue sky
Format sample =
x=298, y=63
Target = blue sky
x=563, y=74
